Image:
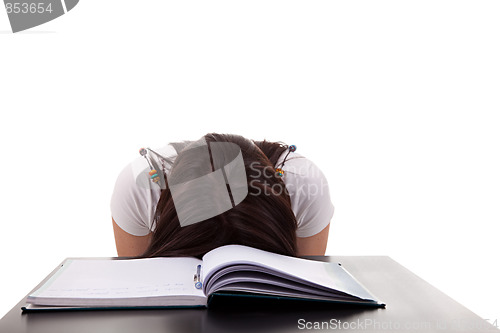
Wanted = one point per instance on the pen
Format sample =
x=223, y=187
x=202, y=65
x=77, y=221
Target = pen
x=197, y=278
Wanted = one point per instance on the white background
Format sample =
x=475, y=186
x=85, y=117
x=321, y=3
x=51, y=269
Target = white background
x=398, y=103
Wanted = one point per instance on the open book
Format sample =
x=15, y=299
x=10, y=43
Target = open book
x=189, y=282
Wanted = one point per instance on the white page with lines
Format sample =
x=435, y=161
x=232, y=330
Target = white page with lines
x=94, y=278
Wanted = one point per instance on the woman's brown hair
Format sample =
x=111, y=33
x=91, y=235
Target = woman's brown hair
x=264, y=219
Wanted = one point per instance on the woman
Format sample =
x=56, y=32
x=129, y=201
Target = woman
x=283, y=207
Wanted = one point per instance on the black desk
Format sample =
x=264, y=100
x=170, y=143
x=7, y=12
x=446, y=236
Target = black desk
x=412, y=305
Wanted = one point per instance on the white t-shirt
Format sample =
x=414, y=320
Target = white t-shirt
x=134, y=199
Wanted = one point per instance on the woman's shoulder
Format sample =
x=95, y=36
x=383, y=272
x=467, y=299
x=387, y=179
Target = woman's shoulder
x=300, y=168
x=304, y=180
x=309, y=194
x=134, y=198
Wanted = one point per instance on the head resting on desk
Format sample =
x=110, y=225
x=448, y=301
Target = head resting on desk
x=263, y=219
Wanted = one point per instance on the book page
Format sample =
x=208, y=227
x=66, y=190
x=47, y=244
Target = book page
x=325, y=274
x=102, y=278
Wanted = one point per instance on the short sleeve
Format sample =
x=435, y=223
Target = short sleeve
x=309, y=194
x=131, y=205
